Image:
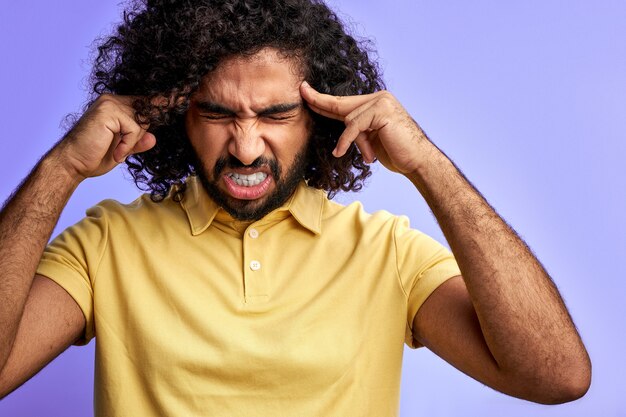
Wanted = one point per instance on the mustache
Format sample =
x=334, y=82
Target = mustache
x=232, y=163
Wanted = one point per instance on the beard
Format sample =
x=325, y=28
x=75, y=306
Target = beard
x=251, y=210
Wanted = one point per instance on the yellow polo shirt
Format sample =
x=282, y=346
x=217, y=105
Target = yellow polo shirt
x=302, y=313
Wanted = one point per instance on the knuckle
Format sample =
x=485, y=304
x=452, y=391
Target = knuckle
x=106, y=104
x=106, y=98
x=352, y=128
x=387, y=99
x=350, y=119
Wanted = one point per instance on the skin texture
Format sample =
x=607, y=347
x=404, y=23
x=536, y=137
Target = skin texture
x=165, y=48
x=250, y=109
x=502, y=322
x=38, y=319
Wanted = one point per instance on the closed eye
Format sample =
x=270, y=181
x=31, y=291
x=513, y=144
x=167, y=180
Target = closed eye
x=280, y=117
x=283, y=111
x=216, y=116
x=277, y=112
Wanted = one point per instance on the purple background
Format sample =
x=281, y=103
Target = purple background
x=528, y=98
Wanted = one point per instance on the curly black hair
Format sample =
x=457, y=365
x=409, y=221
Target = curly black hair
x=163, y=48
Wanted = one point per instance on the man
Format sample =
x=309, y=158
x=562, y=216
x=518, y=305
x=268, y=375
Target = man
x=241, y=290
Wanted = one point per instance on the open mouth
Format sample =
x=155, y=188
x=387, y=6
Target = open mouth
x=251, y=180
x=247, y=186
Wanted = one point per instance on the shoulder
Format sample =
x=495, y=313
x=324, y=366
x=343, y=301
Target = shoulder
x=354, y=217
x=141, y=211
x=356, y=212
x=142, y=205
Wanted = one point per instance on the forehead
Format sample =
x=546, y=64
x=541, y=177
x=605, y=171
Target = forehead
x=246, y=82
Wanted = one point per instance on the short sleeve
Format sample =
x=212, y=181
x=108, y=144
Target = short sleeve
x=72, y=260
x=423, y=265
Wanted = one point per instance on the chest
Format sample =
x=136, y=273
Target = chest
x=226, y=311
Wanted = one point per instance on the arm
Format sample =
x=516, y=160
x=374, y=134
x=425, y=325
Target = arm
x=503, y=322
x=529, y=346
x=38, y=319
x=26, y=223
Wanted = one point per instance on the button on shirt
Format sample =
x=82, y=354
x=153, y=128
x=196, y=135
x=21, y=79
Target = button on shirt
x=302, y=313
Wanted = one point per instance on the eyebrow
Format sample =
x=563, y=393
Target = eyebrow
x=210, y=107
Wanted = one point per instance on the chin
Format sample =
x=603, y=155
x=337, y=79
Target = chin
x=248, y=210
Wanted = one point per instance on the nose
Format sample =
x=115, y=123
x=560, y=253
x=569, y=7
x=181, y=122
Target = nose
x=247, y=143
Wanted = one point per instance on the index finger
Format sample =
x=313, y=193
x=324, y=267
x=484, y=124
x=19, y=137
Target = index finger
x=335, y=107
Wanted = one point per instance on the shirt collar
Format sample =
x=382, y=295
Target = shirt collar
x=305, y=205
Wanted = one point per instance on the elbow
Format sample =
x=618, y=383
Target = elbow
x=565, y=393
x=4, y=391
x=572, y=387
x=571, y=384
x=564, y=381
x=575, y=378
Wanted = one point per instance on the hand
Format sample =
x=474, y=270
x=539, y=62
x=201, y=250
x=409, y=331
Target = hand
x=377, y=123
x=103, y=137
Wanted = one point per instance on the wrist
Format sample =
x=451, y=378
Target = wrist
x=55, y=165
x=433, y=163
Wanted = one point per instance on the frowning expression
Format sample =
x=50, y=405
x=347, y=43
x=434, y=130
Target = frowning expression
x=249, y=128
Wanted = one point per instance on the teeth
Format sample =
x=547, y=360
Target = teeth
x=248, y=180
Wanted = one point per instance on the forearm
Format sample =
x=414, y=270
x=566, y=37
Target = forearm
x=26, y=223
x=508, y=309
x=522, y=316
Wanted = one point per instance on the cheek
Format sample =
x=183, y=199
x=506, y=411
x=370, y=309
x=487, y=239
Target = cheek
x=288, y=138
x=206, y=138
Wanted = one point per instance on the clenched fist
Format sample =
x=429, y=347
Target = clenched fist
x=105, y=136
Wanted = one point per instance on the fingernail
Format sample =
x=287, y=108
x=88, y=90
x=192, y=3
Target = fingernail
x=306, y=84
